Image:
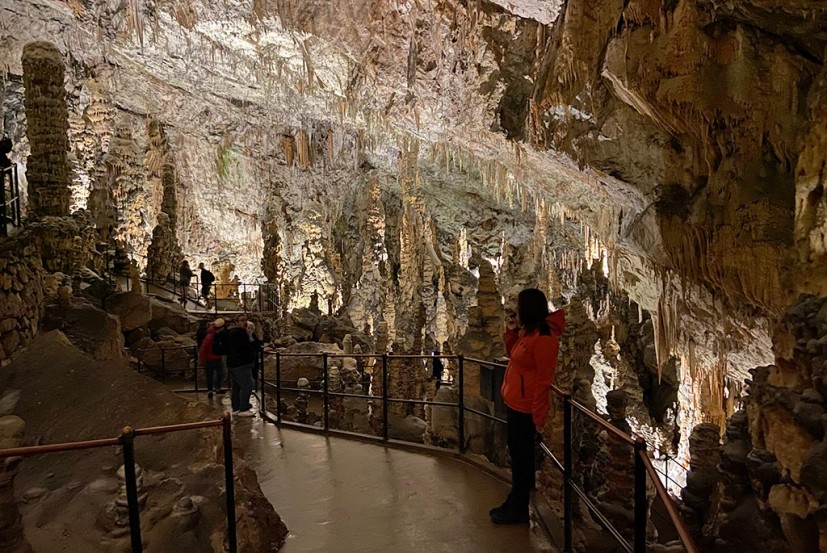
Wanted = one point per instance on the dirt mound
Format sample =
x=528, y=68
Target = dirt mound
x=68, y=499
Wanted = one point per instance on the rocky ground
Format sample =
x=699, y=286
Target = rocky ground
x=68, y=501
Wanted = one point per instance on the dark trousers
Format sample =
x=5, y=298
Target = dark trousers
x=214, y=375
x=242, y=378
x=522, y=436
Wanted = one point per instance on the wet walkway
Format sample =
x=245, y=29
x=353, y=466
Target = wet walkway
x=346, y=496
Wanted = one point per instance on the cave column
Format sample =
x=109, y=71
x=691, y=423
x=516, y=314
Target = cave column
x=47, y=120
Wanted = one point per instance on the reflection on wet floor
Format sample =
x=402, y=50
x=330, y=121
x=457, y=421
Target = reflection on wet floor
x=345, y=496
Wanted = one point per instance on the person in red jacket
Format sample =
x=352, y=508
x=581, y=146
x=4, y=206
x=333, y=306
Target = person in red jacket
x=532, y=342
x=213, y=363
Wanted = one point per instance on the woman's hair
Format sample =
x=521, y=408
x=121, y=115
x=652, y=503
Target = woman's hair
x=532, y=308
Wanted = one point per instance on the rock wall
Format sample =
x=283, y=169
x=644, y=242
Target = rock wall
x=785, y=408
x=22, y=302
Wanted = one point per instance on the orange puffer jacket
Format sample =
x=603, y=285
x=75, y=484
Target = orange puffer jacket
x=531, y=367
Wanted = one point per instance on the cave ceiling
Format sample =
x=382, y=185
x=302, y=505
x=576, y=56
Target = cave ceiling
x=672, y=128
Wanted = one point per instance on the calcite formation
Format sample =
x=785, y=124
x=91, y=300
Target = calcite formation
x=486, y=325
x=164, y=254
x=47, y=122
x=413, y=165
x=702, y=481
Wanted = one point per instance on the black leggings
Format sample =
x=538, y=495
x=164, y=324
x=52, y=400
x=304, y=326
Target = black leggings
x=522, y=436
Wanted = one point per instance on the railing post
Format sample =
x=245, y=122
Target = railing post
x=278, y=387
x=244, y=296
x=3, y=218
x=259, y=298
x=215, y=300
x=641, y=504
x=568, y=461
x=385, y=397
x=227, y=428
x=461, y=401
x=131, y=484
x=17, y=193
x=325, y=396
x=261, y=403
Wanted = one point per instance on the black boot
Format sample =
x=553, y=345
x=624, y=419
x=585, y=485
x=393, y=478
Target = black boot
x=502, y=507
x=510, y=515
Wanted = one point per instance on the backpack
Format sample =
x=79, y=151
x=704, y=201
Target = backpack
x=219, y=343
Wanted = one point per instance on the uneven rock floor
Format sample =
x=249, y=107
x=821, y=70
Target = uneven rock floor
x=346, y=496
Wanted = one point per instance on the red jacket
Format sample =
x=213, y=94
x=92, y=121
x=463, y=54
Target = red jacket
x=205, y=354
x=531, y=367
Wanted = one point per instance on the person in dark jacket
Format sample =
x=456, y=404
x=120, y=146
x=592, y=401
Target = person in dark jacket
x=207, y=279
x=438, y=367
x=184, y=278
x=532, y=341
x=241, y=358
x=5, y=150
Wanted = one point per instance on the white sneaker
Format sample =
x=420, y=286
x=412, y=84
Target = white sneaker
x=249, y=413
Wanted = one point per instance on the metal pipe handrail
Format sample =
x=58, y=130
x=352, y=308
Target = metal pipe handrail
x=643, y=466
x=601, y=517
x=675, y=517
x=155, y=430
x=57, y=448
x=165, y=348
x=603, y=423
x=579, y=406
x=127, y=442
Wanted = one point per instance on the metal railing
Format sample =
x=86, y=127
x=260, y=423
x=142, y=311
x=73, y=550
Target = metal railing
x=127, y=443
x=9, y=199
x=643, y=467
x=163, y=371
x=160, y=370
x=254, y=297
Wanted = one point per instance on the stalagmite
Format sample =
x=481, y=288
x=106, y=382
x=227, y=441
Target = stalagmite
x=164, y=255
x=48, y=126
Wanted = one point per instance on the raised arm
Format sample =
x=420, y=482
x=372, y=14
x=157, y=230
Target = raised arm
x=510, y=337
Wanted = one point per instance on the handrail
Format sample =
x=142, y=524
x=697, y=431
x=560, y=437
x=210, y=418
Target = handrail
x=164, y=348
x=676, y=519
x=126, y=441
x=643, y=466
x=57, y=448
x=605, y=425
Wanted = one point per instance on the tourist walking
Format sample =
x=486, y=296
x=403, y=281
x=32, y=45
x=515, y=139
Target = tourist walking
x=184, y=277
x=5, y=150
x=257, y=345
x=437, y=368
x=532, y=340
x=210, y=354
x=241, y=356
x=207, y=279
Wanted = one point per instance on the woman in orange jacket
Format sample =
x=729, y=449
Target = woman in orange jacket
x=532, y=342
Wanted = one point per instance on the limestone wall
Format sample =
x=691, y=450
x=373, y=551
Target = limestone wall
x=21, y=294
